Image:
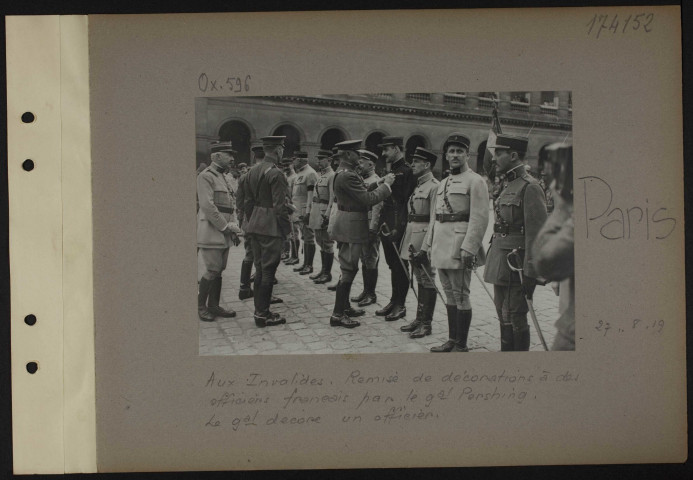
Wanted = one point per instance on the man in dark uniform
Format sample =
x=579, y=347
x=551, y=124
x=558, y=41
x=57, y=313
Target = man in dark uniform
x=394, y=215
x=520, y=212
x=371, y=250
x=349, y=227
x=419, y=217
x=319, y=216
x=268, y=225
x=302, y=198
x=217, y=229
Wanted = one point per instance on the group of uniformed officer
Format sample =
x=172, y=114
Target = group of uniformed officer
x=437, y=225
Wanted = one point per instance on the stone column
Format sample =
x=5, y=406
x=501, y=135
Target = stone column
x=504, y=103
x=563, y=104
x=471, y=99
x=535, y=103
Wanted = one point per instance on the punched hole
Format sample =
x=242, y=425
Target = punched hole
x=30, y=320
x=32, y=367
x=28, y=165
x=28, y=117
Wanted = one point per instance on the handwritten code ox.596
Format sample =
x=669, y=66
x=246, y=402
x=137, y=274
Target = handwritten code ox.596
x=231, y=84
x=622, y=25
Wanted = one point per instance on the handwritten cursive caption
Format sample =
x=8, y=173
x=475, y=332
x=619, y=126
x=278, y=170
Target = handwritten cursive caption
x=640, y=326
x=239, y=84
x=240, y=402
x=614, y=24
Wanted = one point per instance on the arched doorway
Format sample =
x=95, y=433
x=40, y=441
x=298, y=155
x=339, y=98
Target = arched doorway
x=371, y=144
x=238, y=134
x=292, y=142
x=331, y=137
x=410, y=147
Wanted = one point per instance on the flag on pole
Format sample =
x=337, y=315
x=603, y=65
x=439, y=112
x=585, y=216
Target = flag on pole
x=491, y=143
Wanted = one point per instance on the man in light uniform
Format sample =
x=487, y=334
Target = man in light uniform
x=217, y=230
x=454, y=238
x=302, y=198
x=370, y=253
x=287, y=167
x=319, y=217
x=420, y=205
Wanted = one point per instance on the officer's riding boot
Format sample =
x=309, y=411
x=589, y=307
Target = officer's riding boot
x=388, y=308
x=214, y=298
x=414, y=325
x=203, y=293
x=521, y=340
x=506, y=337
x=429, y=305
x=464, y=321
x=319, y=274
x=347, y=312
x=400, y=291
x=293, y=259
x=339, y=301
x=274, y=299
x=452, y=327
x=290, y=254
x=261, y=298
x=274, y=318
x=309, y=254
x=364, y=292
x=245, y=291
x=371, y=278
x=327, y=260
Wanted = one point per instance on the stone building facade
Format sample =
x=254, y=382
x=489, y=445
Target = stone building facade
x=423, y=119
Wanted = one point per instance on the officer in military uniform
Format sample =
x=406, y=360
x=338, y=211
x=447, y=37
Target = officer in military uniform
x=520, y=212
x=419, y=219
x=371, y=250
x=319, y=217
x=302, y=198
x=217, y=229
x=454, y=239
x=394, y=215
x=349, y=228
x=288, y=169
x=268, y=225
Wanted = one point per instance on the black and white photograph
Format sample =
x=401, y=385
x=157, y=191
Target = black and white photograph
x=385, y=223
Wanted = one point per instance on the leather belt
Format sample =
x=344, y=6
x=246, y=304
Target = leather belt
x=452, y=217
x=225, y=209
x=418, y=218
x=352, y=209
x=320, y=200
x=505, y=229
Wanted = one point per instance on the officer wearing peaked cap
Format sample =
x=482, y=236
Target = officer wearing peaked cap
x=370, y=253
x=350, y=225
x=302, y=198
x=268, y=225
x=459, y=219
x=287, y=165
x=394, y=215
x=520, y=212
x=216, y=230
x=419, y=217
x=319, y=216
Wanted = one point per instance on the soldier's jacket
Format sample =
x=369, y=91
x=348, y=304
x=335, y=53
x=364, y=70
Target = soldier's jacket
x=420, y=203
x=243, y=208
x=332, y=206
x=374, y=212
x=217, y=209
x=521, y=210
x=321, y=198
x=267, y=189
x=464, y=193
x=350, y=222
x=305, y=178
x=394, y=211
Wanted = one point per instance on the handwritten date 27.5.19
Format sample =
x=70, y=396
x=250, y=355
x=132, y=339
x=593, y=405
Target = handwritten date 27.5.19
x=605, y=24
x=643, y=326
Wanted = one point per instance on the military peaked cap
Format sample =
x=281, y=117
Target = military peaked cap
x=512, y=142
x=425, y=155
x=367, y=155
x=221, y=147
x=257, y=148
x=457, y=139
x=324, y=153
x=242, y=165
x=395, y=141
x=352, y=145
x=299, y=154
x=273, y=140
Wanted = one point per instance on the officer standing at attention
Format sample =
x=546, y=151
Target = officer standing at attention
x=288, y=168
x=371, y=250
x=419, y=219
x=520, y=212
x=319, y=217
x=268, y=225
x=217, y=229
x=302, y=198
x=394, y=215
x=349, y=228
x=455, y=236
